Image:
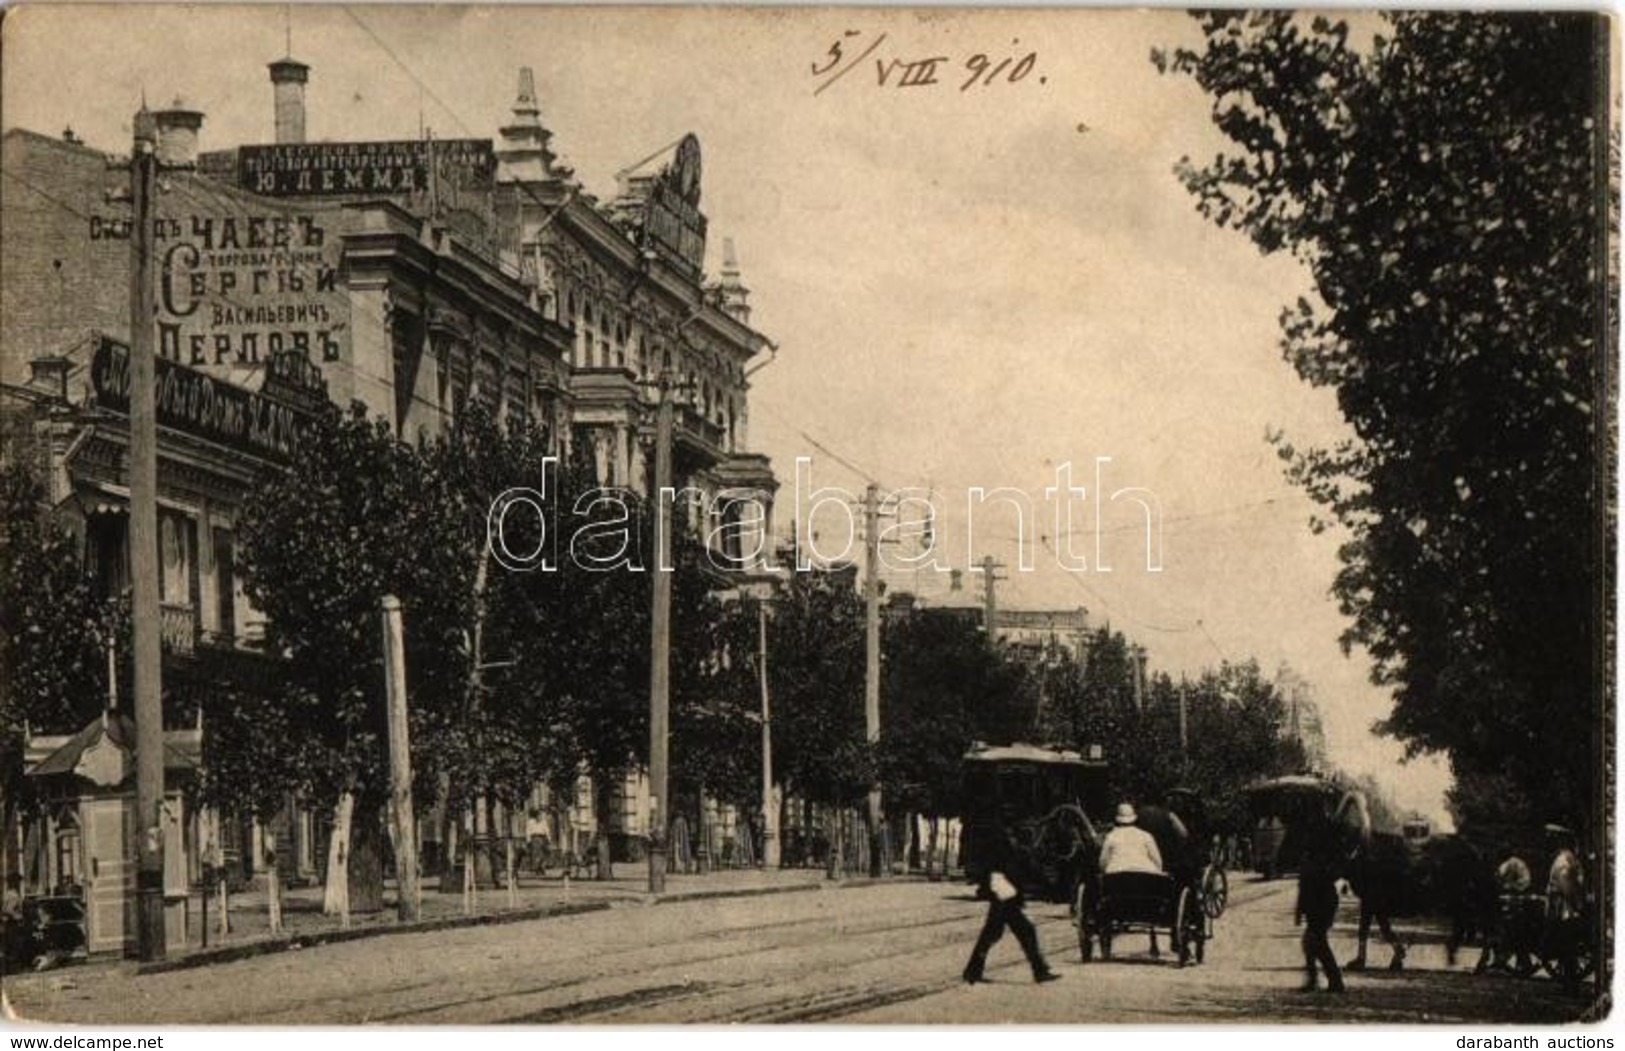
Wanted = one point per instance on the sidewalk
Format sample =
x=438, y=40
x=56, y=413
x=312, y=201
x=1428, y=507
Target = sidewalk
x=305, y=925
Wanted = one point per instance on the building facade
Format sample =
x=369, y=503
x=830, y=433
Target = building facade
x=411, y=278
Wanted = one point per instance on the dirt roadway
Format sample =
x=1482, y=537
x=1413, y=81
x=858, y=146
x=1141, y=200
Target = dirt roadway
x=865, y=955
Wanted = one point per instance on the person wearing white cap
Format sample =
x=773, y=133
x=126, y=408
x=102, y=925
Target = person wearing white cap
x=1127, y=847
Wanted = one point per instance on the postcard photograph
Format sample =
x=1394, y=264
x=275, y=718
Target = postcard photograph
x=533, y=516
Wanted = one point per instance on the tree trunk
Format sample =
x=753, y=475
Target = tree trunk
x=336, y=889
x=485, y=837
x=600, y=809
x=471, y=879
x=5, y=848
x=511, y=876
x=366, y=860
x=273, y=878
x=703, y=854
x=451, y=866
x=445, y=862
x=832, y=833
x=931, y=872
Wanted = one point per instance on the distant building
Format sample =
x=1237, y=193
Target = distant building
x=1035, y=636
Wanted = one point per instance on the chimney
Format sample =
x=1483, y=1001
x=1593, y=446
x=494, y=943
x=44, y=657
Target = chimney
x=288, y=79
x=735, y=297
x=177, y=135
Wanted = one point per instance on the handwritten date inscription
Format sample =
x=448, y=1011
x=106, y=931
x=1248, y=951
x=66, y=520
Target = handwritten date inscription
x=850, y=51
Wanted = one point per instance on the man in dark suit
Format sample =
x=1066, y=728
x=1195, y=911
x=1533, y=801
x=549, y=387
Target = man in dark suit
x=1319, y=867
x=1001, y=887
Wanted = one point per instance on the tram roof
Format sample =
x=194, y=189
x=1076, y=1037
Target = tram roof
x=1026, y=753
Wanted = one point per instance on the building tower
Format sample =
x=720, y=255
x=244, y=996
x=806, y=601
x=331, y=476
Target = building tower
x=524, y=153
x=732, y=295
x=288, y=78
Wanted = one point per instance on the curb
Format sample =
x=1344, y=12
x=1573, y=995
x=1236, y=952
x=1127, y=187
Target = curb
x=248, y=950
x=293, y=943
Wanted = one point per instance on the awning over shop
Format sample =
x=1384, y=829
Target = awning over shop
x=103, y=752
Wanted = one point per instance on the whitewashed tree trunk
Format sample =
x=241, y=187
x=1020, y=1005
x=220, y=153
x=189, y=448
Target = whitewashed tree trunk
x=513, y=878
x=336, y=891
x=273, y=880
x=470, y=877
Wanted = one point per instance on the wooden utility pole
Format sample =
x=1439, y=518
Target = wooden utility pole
x=1184, y=748
x=1136, y=656
x=147, y=684
x=770, y=812
x=400, y=761
x=990, y=598
x=871, y=650
x=660, y=644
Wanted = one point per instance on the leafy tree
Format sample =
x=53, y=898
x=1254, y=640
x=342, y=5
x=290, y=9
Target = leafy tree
x=1439, y=183
x=52, y=659
x=1236, y=728
x=816, y=675
x=716, y=702
x=942, y=688
x=359, y=517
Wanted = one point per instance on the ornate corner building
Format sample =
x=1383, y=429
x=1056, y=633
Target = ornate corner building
x=413, y=278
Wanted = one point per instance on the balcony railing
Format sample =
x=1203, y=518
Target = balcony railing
x=705, y=436
x=177, y=627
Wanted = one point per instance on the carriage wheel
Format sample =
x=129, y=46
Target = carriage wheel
x=1190, y=927
x=1080, y=916
x=1215, y=891
x=1182, y=935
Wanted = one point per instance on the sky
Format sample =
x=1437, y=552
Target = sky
x=970, y=284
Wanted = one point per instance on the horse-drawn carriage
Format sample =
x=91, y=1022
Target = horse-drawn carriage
x=1032, y=799
x=1279, y=807
x=1182, y=902
x=1145, y=902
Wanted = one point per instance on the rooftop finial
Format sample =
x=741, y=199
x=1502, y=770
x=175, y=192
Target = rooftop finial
x=524, y=106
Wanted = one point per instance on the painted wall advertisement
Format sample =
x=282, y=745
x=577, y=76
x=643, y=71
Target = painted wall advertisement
x=240, y=285
x=379, y=168
x=203, y=406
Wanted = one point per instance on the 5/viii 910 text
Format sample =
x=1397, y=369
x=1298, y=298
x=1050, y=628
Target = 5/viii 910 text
x=847, y=53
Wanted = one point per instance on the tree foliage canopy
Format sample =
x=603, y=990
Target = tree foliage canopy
x=52, y=663
x=943, y=688
x=1439, y=182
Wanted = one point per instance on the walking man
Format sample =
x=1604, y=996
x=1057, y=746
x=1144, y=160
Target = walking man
x=1565, y=904
x=1318, y=870
x=1000, y=887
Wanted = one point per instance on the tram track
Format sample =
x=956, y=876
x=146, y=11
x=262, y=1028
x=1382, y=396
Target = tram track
x=613, y=964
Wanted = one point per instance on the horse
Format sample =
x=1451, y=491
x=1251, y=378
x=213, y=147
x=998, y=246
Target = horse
x=1448, y=876
x=1065, y=850
x=1182, y=851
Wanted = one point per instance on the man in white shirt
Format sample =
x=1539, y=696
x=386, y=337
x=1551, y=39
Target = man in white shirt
x=1127, y=847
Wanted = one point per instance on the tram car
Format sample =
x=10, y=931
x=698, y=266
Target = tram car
x=1037, y=799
